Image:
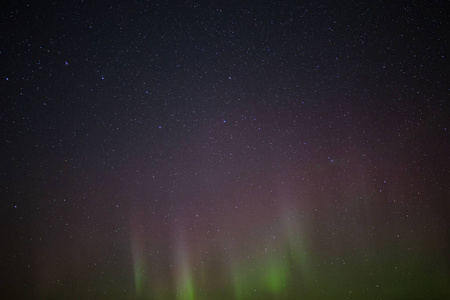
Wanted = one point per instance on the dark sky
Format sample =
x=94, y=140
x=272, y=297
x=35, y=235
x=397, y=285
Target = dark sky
x=193, y=150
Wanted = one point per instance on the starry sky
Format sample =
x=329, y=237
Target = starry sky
x=224, y=150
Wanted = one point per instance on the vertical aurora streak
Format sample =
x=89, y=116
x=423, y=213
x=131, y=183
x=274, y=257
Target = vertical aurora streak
x=137, y=253
x=276, y=273
x=184, y=279
x=295, y=239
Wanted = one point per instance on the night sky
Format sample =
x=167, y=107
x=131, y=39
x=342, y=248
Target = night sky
x=192, y=150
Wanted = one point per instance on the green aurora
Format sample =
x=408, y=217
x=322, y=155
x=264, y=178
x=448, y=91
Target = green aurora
x=289, y=269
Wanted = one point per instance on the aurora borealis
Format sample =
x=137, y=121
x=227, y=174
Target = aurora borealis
x=189, y=150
